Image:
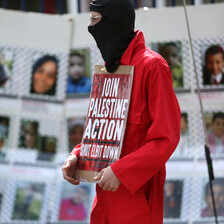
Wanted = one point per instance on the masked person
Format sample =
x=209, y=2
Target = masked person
x=131, y=189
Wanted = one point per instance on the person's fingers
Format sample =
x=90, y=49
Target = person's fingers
x=114, y=189
x=70, y=179
x=98, y=177
x=67, y=164
x=109, y=188
x=105, y=187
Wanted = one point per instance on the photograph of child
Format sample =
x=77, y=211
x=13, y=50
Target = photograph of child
x=79, y=73
x=47, y=148
x=171, y=52
x=218, y=188
x=75, y=202
x=6, y=64
x=4, y=130
x=28, y=202
x=31, y=138
x=173, y=191
x=215, y=127
x=29, y=134
x=213, y=70
x=1, y=199
x=44, y=75
x=75, y=132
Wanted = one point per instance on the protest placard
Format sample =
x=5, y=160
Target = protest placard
x=106, y=121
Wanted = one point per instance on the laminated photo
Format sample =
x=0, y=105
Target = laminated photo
x=207, y=205
x=173, y=191
x=79, y=75
x=213, y=65
x=75, y=131
x=44, y=75
x=75, y=203
x=4, y=133
x=215, y=128
x=32, y=139
x=28, y=201
x=6, y=67
x=172, y=53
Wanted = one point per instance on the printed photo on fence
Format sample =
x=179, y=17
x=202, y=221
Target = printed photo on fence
x=44, y=74
x=207, y=205
x=79, y=75
x=173, y=192
x=31, y=138
x=1, y=199
x=183, y=149
x=47, y=148
x=28, y=201
x=75, y=203
x=215, y=127
x=6, y=66
x=171, y=52
x=213, y=65
x=75, y=131
x=4, y=132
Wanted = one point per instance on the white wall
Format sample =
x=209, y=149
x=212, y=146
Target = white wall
x=35, y=30
x=164, y=23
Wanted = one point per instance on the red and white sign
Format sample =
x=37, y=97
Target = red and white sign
x=106, y=118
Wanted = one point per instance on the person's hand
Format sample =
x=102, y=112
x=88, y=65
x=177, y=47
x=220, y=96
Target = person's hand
x=69, y=169
x=107, y=180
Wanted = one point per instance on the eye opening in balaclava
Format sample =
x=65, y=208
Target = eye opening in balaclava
x=114, y=32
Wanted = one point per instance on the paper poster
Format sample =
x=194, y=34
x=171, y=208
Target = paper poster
x=106, y=120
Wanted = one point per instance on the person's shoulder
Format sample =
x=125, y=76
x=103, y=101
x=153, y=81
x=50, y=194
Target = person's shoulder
x=153, y=59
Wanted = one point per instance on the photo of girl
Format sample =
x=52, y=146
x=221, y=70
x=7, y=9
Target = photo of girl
x=173, y=191
x=215, y=127
x=44, y=75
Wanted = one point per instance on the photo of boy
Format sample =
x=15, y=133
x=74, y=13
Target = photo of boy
x=78, y=77
x=75, y=132
x=172, y=54
x=218, y=188
x=6, y=64
x=173, y=191
x=44, y=75
x=213, y=71
x=216, y=132
x=74, y=203
x=28, y=202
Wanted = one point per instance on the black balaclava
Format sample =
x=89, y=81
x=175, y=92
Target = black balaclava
x=115, y=31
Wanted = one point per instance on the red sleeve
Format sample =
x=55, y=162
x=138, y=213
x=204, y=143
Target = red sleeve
x=76, y=150
x=163, y=135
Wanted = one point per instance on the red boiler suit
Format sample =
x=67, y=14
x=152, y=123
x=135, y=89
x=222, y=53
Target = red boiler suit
x=152, y=134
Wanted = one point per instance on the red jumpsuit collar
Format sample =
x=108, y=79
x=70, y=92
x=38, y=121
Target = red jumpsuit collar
x=136, y=43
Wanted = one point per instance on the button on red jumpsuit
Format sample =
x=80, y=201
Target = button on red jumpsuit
x=152, y=134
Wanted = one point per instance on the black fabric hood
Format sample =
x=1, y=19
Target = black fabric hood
x=115, y=31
